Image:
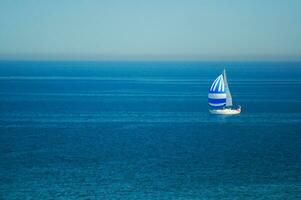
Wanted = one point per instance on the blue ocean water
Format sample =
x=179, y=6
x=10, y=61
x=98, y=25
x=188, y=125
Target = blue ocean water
x=141, y=130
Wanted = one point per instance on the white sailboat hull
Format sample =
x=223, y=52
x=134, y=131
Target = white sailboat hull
x=226, y=111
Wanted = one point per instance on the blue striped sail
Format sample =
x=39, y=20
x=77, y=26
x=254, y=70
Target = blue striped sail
x=217, y=95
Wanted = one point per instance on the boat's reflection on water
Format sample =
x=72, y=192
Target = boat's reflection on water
x=223, y=118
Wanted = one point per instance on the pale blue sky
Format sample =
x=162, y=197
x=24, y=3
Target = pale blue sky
x=156, y=29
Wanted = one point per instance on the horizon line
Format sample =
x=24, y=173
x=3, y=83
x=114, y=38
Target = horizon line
x=148, y=57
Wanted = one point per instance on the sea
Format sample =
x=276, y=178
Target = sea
x=142, y=130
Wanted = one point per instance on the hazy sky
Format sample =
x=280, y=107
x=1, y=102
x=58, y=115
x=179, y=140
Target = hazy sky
x=155, y=29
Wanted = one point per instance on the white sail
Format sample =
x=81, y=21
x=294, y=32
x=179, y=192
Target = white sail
x=227, y=90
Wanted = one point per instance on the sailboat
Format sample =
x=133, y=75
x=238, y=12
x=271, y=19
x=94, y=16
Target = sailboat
x=220, y=99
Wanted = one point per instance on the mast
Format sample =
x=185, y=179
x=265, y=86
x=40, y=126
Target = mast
x=227, y=90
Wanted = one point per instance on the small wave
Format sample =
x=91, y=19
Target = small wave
x=148, y=117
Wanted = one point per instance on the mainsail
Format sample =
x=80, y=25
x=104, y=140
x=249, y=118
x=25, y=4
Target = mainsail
x=227, y=90
x=217, y=96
